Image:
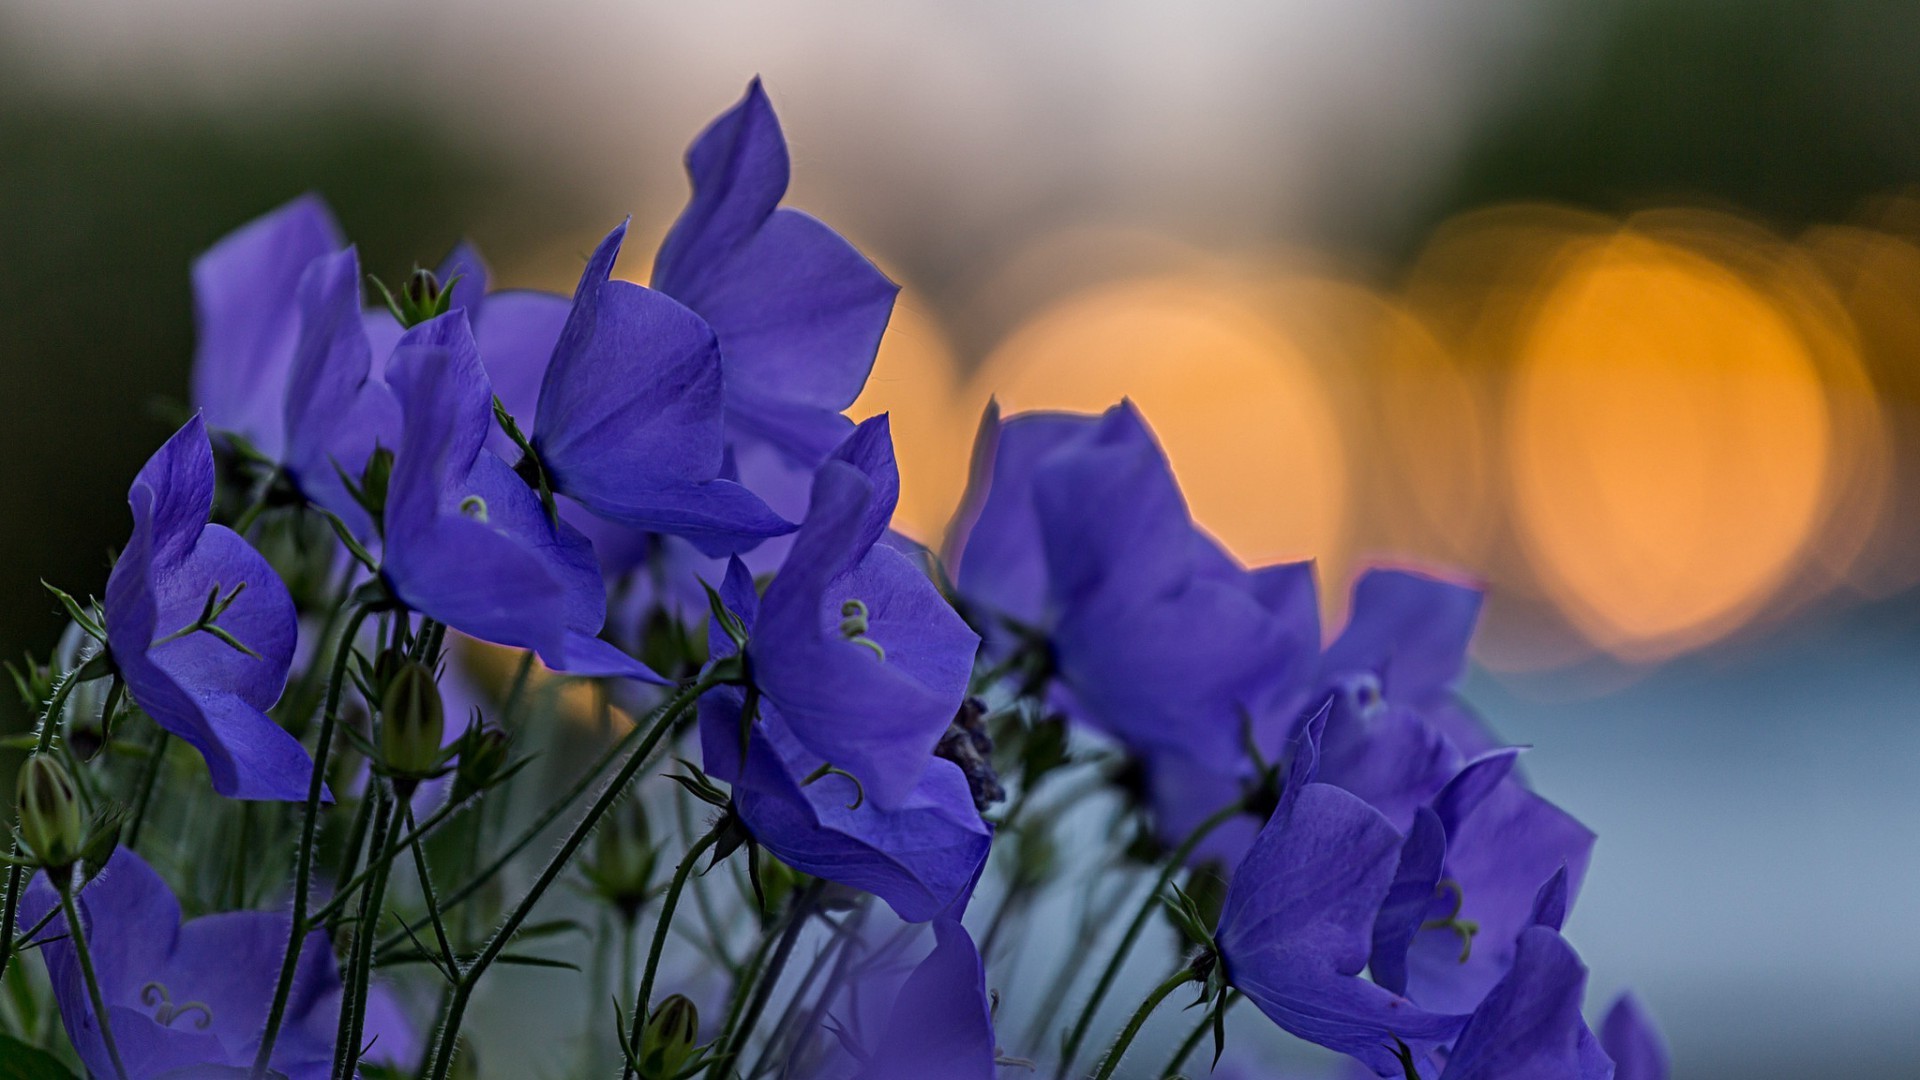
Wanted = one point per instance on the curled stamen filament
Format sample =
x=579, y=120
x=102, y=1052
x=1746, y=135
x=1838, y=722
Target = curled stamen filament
x=853, y=627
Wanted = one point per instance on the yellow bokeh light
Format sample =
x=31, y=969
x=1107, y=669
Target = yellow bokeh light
x=915, y=380
x=1669, y=443
x=1243, y=416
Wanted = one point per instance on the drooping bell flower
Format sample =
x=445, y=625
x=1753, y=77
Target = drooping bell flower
x=1296, y=924
x=854, y=646
x=1074, y=533
x=248, y=319
x=1631, y=1039
x=630, y=419
x=940, y=1026
x=201, y=628
x=1529, y=1024
x=467, y=542
x=1495, y=840
x=183, y=997
x=798, y=311
x=922, y=856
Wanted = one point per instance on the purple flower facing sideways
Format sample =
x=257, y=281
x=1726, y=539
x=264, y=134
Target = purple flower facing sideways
x=1295, y=926
x=854, y=646
x=182, y=997
x=248, y=318
x=207, y=680
x=1633, y=1042
x=940, y=1026
x=921, y=857
x=798, y=311
x=1075, y=529
x=467, y=541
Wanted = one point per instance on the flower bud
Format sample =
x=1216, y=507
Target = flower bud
x=622, y=866
x=50, y=824
x=483, y=760
x=669, y=1039
x=423, y=289
x=412, y=723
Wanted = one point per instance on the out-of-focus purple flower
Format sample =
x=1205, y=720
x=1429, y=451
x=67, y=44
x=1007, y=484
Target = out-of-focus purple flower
x=187, y=996
x=941, y=1026
x=1298, y=915
x=248, y=318
x=1500, y=839
x=1631, y=1039
x=1529, y=1023
x=467, y=541
x=1074, y=530
x=630, y=419
x=209, y=686
x=922, y=856
x=854, y=646
x=798, y=311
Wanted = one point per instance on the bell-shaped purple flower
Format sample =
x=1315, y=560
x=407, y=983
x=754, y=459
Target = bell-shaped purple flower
x=248, y=318
x=798, y=311
x=1529, y=1024
x=854, y=646
x=194, y=995
x=630, y=419
x=467, y=542
x=1631, y=1039
x=922, y=856
x=201, y=628
x=941, y=1025
x=1296, y=923
x=1075, y=531
x=1297, y=920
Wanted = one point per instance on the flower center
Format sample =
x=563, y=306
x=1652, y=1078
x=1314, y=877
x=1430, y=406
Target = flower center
x=154, y=996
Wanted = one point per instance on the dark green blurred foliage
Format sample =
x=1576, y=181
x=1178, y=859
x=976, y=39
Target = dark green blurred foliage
x=1794, y=110
x=103, y=206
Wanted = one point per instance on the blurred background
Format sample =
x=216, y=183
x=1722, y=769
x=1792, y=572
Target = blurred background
x=1613, y=305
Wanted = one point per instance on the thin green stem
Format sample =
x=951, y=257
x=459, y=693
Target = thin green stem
x=797, y=917
x=303, y=861
x=353, y=1002
x=610, y=796
x=1192, y=1041
x=17, y=871
x=664, y=921
x=412, y=840
x=85, y=956
x=149, y=776
x=1148, y=906
x=1119, y=1050
x=415, y=834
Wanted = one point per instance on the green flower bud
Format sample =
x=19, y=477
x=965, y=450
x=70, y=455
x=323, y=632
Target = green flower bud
x=624, y=857
x=412, y=723
x=670, y=1038
x=483, y=760
x=50, y=823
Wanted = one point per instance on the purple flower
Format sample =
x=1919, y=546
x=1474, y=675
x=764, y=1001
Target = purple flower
x=467, y=541
x=1074, y=531
x=201, y=628
x=940, y=1026
x=1529, y=1024
x=1633, y=1042
x=1299, y=910
x=922, y=856
x=630, y=420
x=798, y=311
x=854, y=646
x=184, y=996
x=245, y=306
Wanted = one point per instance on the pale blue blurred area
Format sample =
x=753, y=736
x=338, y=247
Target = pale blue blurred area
x=1757, y=878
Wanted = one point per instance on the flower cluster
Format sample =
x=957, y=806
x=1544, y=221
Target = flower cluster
x=455, y=477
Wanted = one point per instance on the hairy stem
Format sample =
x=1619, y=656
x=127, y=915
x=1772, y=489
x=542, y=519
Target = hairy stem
x=1139, y=1018
x=664, y=921
x=85, y=955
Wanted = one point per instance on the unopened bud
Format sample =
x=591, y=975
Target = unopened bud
x=483, y=758
x=412, y=723
x=50, y=824
x=623, y=858
x=423, y=289
x=670, y=1038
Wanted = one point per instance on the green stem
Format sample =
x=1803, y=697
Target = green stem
x=610, y=796
x=17, y=871
x=349, y=869
x=1148, y=906
x=149, y=776
x=353, y=1001
x=303, y=862
x=837, y=950
x=769, y=978
x=663, y=922
x=426, y=891
x=1119, y=1050
x=1192, y=1041
x=85, y=955
x=415, y=834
